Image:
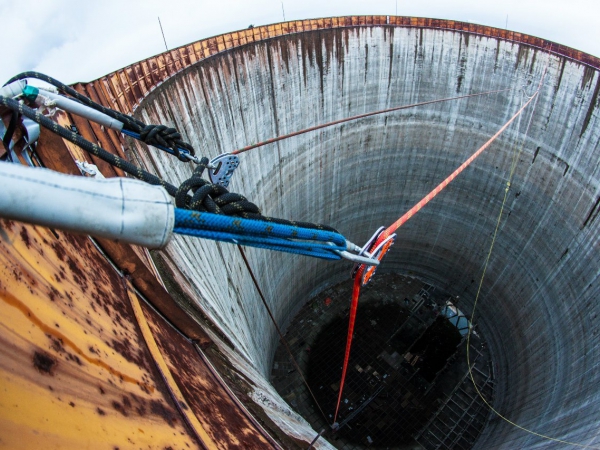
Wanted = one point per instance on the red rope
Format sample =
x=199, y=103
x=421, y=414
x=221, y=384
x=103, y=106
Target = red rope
x=353, y=308
x=360, y=116
x=358, y=279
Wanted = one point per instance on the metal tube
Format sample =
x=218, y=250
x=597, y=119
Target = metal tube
x=81, y=110
x=119, y=208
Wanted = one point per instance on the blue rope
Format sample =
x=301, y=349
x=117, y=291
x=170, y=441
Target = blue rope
x=262, y=234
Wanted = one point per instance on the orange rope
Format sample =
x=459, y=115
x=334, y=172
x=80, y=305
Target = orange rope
x=358, y=280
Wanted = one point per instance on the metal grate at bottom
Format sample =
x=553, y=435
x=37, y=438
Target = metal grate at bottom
x=407, y=385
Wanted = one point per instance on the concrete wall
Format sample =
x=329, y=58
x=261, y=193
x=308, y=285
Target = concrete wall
x=538, y=307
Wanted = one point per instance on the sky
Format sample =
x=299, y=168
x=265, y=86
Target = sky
x=75, y=40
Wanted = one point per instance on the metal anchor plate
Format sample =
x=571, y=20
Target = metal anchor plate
x=222, y=167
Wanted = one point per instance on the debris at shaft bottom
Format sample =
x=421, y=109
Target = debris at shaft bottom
x=406, y=361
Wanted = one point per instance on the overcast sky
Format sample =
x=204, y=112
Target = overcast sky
x=75, y=40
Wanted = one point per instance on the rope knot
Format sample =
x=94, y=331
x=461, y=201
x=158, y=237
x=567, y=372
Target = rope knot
x=212, y=198
x=166, y=137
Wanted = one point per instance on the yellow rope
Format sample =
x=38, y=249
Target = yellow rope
x=516, y=156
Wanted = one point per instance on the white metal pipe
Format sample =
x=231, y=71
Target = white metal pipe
x=80, y=109
x=117, y=208
x=13, y=89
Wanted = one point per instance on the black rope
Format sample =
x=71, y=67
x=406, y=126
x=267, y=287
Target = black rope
x=150, y=134
x=205, y=196
x=132, y=123
x=167, y=137
x=211, y=197
x=86, y=145
x=216, y=199
x=10, y=131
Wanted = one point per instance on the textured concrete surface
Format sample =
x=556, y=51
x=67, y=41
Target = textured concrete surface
x=538, y=307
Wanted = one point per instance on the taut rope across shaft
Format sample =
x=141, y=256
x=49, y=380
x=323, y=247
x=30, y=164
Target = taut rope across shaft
x=368, y=271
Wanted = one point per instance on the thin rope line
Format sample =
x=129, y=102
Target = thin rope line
x=415, y=209
x=360, y=116
x=281, y=336
x=516, y=155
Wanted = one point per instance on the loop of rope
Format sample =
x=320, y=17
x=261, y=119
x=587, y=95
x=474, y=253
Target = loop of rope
x=161, y=135
x=213, y=198
x=208, y=197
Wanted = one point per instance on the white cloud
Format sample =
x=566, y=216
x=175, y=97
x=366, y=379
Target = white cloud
x=80, y=41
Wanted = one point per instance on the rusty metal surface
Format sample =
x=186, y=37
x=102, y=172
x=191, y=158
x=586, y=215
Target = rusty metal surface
x=165, y=372
x=60, y=160
x=74, y=368
x=226, y=424
x=56, y=155
x=126, y=88
x=77, y=369
x=147, y=283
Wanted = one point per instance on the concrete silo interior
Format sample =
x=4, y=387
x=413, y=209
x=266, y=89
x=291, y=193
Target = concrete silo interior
x=538, y=306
